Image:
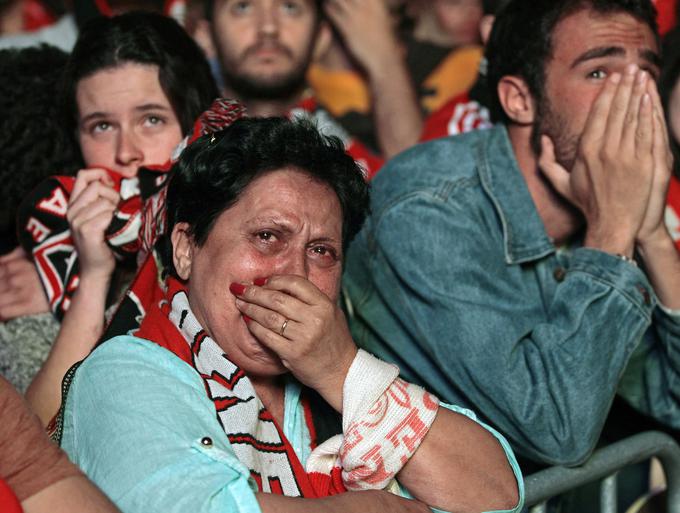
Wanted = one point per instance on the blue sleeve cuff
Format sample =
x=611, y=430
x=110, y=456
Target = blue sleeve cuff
x=625, y=277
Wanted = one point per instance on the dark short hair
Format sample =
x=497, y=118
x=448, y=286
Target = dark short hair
x=209, y=6
x=670, y=76
x=493, y=7
x=33, y=141
x=144, y=38
x=521, y=39
x=209, y=177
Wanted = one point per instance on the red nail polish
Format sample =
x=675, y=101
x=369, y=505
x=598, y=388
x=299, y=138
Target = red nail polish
x=237, y=289
x=260, y=281
x=246, y=318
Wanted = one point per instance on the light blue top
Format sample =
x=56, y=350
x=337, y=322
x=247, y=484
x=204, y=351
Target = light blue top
x=454, y=279
x=134, y=419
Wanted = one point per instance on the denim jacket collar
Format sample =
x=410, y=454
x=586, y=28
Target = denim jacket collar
x=524, y=234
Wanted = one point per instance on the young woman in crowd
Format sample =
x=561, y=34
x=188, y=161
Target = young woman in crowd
x=133, y=86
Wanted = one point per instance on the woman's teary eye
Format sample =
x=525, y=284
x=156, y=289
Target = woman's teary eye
x=325, y=252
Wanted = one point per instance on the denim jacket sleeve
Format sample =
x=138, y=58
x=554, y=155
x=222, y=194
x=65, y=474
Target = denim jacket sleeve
x=137, y=423
x=539, y=357
x=652, y=379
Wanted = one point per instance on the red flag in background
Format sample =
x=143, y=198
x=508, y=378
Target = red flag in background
x=666, y=14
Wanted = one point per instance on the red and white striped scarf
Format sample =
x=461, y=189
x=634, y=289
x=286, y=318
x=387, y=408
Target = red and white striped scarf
x=384, y=421
x=256, y=438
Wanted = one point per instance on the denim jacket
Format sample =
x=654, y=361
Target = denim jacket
x=454, y=279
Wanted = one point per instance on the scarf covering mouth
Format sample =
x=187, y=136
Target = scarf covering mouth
x=384, y=418
x=137, y=223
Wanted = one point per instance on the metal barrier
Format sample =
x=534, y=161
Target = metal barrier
x=603, y=465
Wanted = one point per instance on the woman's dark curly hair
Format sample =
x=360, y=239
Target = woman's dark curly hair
x=34, y=145
x=210, y=177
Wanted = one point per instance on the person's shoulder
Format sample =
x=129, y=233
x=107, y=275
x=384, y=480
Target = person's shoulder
x=449, y=157
x=430, y=166
x=124, y=374
x=127, y=360
x=128, y=346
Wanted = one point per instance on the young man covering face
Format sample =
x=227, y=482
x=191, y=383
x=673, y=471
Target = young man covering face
x=498, y=266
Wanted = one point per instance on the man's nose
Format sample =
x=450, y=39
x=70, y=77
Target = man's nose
x=268, y=22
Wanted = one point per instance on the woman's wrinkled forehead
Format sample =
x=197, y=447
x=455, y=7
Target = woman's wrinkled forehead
x=289, y=198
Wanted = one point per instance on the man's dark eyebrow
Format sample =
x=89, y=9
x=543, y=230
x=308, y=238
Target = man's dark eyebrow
x=651, y=56
x=598, y=53
x=616, y=51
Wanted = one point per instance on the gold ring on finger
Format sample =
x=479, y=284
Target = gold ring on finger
x=283, y=327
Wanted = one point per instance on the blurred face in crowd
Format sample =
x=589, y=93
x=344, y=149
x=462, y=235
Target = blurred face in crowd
x=264, y=46
x=460, y=19
x=125, y=120
x=587, y=47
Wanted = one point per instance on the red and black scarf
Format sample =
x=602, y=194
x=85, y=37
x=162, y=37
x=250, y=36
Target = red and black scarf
x=136, y=225
x=256, y=438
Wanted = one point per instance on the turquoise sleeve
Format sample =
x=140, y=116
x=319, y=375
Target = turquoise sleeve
x=140, y=425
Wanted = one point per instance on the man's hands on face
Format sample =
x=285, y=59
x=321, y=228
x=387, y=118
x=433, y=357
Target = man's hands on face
x=653, y=229
x=20, y=290
x=617, y=180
